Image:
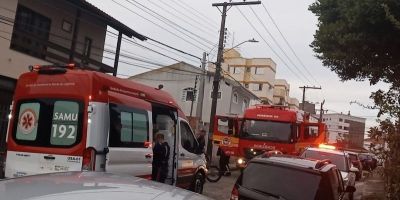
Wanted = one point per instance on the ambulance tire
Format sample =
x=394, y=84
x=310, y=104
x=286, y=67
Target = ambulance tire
x=198, y=183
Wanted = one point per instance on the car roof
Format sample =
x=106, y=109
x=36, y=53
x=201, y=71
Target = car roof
x=90, y=186
x=332, y=151
x=294, y=161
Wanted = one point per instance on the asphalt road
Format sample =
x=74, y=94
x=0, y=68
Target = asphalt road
x=223, y=188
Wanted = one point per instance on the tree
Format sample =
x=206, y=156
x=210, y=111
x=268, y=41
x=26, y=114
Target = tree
x=360, y=40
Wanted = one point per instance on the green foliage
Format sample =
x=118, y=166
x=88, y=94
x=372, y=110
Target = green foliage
x=359, y=39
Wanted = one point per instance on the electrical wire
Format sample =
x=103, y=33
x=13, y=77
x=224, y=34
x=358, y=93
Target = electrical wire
x=272, y=49
x=182, y=38
x=173, y=24
x=288, y=44
x=90, y=22
x=278, y=45
x=209, y=21
x=200, y=28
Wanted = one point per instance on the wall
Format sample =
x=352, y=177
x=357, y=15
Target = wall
x=14, y=63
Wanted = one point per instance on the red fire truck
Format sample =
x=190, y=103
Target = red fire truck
x=265, y=128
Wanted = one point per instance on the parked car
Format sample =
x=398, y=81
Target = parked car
x=356, y=162
x=290, y=178
x=89, y=186
x=338, y=158
x=368, y=161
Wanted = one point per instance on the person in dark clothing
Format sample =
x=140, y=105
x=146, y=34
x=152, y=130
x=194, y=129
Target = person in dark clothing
x=161, y=151
x=223, y=162
x=201, y=139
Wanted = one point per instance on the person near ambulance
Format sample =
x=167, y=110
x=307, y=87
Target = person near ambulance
x=161, y=152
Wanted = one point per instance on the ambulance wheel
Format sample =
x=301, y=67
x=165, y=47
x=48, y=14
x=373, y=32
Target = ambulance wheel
x=198, y=183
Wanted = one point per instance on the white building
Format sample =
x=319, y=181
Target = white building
x=179, y=80
x=348, y=127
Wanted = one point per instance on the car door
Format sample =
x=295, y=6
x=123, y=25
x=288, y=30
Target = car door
x=187, y=156
x=129, y=137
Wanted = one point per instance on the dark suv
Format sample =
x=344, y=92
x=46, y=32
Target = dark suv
x=291, y=178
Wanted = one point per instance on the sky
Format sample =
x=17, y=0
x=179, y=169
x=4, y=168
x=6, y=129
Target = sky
x=193, y=26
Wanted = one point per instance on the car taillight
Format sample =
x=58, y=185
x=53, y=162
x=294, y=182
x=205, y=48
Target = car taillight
x=89, y=159
x=235, y=193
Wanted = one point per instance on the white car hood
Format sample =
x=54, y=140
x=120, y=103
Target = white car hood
x=89, y=186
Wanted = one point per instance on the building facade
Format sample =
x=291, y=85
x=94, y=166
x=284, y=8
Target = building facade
x=293, y=103
x=281, y=92
x=48, y=32
x=255, y=74
x=180, y=80
x=347, y=128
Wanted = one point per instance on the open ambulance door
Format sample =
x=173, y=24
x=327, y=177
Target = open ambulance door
x=226, y=134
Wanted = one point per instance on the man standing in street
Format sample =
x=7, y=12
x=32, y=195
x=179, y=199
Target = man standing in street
x=161, y=153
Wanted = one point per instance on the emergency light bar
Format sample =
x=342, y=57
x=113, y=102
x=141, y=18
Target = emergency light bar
x=39, y=67
x=325, y=146
x=52, y=69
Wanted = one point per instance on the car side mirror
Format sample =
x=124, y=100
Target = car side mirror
x=350, y=189
x=353, y=169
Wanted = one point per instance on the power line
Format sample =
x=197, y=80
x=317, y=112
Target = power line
x=133, y=64
x=200, y=28
x=272, y=49
x=277, y=43
x=200, y=15
x=90, y=22
x=174, y=25
x=288, y=44
x=130, y=10
x=203, y=22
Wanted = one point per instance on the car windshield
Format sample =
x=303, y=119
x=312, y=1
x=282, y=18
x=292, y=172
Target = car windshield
x=48, y=122
x=336, y=159
x=267, y=130
x=281, y=181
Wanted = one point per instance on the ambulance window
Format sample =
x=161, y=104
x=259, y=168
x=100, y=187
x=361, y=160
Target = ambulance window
x=187, y=139
x=65, y=123
x=311, y=132
x=28, y=121
x=129, y=127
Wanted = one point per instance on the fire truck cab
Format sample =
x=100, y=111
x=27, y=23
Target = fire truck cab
x=265, y=128
x=66, y=119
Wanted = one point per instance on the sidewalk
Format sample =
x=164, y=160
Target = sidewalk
x=374, y=186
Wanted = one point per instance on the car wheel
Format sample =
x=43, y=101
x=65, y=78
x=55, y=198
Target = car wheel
x=198, y=183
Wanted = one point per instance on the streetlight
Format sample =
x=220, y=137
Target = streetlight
x=251, y=40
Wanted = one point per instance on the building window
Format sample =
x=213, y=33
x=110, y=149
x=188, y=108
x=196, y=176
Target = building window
x=235, y=98
x=257, y=86
x=246, y=85
x=219, y=94
x=340, y=127
x=189, y=94
x=346, y=128
x=245, y=104
x=87, y=47
x=259, y=70
x=236, y=70
x=248, y=69
x=31, y=32
x=340, y=120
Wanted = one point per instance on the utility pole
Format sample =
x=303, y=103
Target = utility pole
x=194, y=96
x=217, y=75
x=200, y=98
x=321, y=111
x=304, y=93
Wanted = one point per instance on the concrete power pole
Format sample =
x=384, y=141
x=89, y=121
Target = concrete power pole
x=200, y=98
x=217, y=75
x=194, y=97
x=321, y=112
x=304, y=93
